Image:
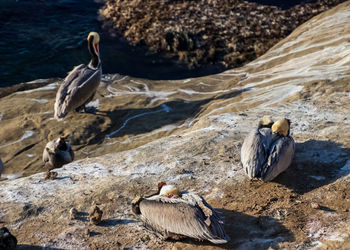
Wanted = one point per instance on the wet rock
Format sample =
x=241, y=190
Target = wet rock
x=7, y=240
x=95, y=215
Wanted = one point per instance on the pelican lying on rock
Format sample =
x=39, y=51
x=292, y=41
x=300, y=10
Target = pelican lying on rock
x=268, y=150
x=2, y=168
x=80, y=86
x=176, y=215
x=57, y=153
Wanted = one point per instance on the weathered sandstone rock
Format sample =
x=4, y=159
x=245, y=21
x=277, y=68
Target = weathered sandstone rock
x=189, y=133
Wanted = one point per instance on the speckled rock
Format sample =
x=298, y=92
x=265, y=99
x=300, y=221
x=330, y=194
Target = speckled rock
x=230, y=33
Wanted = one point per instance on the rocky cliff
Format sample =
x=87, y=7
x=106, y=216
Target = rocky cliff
x=189, y=133
x=227, y=33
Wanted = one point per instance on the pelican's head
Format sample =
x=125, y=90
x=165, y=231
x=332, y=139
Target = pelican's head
x=95, y=39
x=168, y=190
x=265, y=122
x=281, y=127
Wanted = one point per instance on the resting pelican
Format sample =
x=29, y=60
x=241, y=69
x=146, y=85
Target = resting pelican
x=80, y=86
x=57, y=153
x=2, y=168
x=268, y=150
x=177, y=215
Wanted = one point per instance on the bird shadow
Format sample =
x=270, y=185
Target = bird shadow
x=114, y=222
x=82, y=216
x=249, y=232
x=316, y=163
x=144, y=120
x=32, y=247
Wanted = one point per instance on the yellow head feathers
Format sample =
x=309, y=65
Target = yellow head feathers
x=281, y=127
x=265, y=122
x=96, y=37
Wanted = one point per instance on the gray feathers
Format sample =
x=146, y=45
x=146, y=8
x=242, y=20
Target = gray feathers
x=77, y=89
x=280, y=157
x=188, y=215
x=255, y=150
x=265, y=154
x=81, y=84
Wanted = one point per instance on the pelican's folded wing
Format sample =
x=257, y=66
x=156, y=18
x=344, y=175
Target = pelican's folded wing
x=280, y=157
x=177, y=218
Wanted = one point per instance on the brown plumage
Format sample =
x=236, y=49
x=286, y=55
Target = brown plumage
x=184, y=214
x=57, y=153
x=81, y=84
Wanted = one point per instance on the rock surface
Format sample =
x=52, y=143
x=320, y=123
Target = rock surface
x=189, y=133
x=230, y=33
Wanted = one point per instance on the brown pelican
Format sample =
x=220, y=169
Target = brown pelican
x=176, y=215
x=57, y=153
x=79, y=87
x=268, y=150
x=2, y=168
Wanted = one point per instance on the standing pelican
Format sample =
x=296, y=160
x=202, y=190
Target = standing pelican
x=57, y=153
x=268, y=151
x=177, y=215
x=80, y=86
x=2, y=168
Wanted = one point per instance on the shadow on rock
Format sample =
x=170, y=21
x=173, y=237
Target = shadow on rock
x=249, y=232
x=316, y=163
x=32, y=247
x=114, y=222
x=139, y=121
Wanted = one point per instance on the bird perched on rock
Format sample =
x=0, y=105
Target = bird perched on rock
x=174, y=214
x=95, y=215
x=81, y=84
x=2, y=168
x=57, y=153
x=268, y=150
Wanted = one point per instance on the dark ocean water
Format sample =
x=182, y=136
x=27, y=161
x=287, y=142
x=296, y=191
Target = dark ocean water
x=47, y=38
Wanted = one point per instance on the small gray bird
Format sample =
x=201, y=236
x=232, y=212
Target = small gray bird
x=57, y=153
x=268, y=150
x=2, y=168
x=81, y=84
x=176, y=215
